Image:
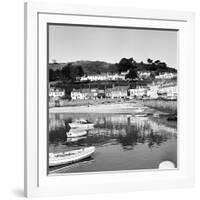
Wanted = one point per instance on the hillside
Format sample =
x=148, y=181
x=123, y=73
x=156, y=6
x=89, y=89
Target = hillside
x=89, y=67
x=97, y=67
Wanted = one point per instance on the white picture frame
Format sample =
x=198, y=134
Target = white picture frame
x=37, y=183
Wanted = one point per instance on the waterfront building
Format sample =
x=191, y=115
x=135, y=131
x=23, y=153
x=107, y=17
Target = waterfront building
x=76, y=94
x=83, y=94
x=168, y=90
x=152, y=92
x=101, y=93
x=139, y=91
x=56, y=92
x=117, y=92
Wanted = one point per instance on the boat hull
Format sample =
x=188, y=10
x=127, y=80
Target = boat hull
x=70, y=157
x=81, y=126
x=77, y=133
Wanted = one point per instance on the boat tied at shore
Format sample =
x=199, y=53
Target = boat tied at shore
x=76, y=133
x=56, y=159
x=82, y=124
x=141, y=115
x=74, y=139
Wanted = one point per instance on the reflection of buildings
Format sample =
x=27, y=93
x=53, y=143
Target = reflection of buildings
x=57, y=121
x=125, y=130
x=152, y=125
x=108, y=132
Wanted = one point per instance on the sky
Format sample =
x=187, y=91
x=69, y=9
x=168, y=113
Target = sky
x=72, y=43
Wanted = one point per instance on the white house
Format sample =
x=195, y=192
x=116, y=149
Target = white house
x=144, y=75
x=166, y=75
x=152, y=91
x=96, y=77
x=138, y=92
x=103, y=77
x=168, y=90
x=56, y=92
x=117, y=92
x=77, y=94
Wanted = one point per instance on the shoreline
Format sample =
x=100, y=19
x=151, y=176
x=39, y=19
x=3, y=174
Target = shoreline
x=111, y=108
x=125, y=108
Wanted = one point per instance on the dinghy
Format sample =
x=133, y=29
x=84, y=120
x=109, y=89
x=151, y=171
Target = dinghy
x=56, y=159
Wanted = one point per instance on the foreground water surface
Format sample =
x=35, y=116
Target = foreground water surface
x=123, y=142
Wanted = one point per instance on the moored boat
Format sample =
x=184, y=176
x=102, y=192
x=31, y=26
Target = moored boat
x=141, y=115
x=156, y=114
x=56, y=159
x=76, y=133
x=74, y=139
x=82, y=123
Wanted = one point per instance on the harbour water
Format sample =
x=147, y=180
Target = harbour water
x=122, y=141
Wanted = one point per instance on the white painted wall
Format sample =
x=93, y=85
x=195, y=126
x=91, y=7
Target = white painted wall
x=11, y=112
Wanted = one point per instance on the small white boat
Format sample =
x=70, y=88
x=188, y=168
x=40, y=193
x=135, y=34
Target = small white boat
x=141, y=115
x=56, y=159
x=156, y=114
x=82, y=123
x=76, y=133
x=74, y=139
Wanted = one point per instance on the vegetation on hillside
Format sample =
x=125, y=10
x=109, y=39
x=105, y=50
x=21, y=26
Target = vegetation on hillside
x=70, y=71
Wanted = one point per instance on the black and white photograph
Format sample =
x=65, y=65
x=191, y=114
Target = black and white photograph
x=112, y=98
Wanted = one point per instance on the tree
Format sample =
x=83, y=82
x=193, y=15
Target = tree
x=70, y=72
x=54, y=75
x=157, y=62
x=51, y=75
x=150, y=61
x=126, y=63
x=76, y=71
x=132, y=74
x=163, y=64
x=66, y=71
x=152, y=76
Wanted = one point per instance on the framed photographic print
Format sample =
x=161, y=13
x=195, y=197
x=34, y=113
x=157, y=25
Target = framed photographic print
x=108, y=99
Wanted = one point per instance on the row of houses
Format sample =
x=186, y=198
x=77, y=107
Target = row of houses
x=166, y=75
x=153, y=91
x=168, y=91
x=104, y=77
x=115, y=92
x=122, y=75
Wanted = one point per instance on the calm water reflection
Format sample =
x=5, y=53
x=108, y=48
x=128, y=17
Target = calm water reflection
x=122, y=142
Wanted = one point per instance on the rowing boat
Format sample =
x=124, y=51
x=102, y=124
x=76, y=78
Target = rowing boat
x=56, y=159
